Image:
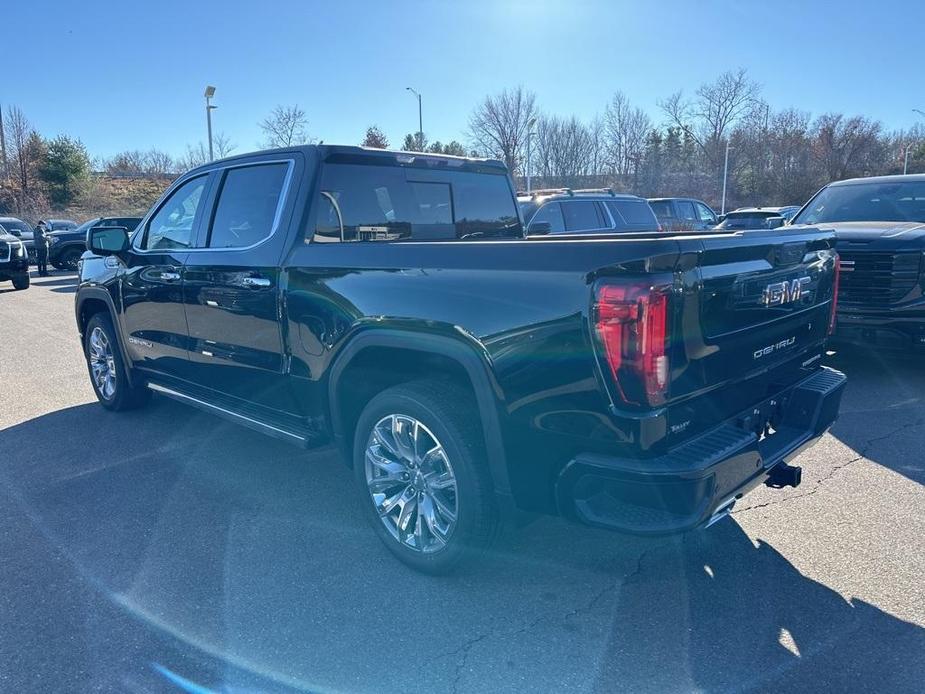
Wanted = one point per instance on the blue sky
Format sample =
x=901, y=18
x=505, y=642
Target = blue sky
x=127, y=75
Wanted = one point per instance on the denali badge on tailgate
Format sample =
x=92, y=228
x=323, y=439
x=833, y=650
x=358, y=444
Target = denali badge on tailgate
x=770, y=349
x=781, y=293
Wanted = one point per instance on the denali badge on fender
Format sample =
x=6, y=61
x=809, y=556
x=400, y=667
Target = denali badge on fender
x=781, y=293
x=765, y=351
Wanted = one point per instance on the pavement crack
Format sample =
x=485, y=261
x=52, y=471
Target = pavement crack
x=865, y=449
x=462, y=652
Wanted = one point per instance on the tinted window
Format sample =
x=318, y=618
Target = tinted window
x=867, y=202
x=172, y=225
x=632, y=213
x=686, y=210
x=581, y=215
x=247, y=205
x=484, y=206
x=551, y=213
x=662, y=209
x=432, y=202
x=705, y=214
x=384, y=203
x=747, y=220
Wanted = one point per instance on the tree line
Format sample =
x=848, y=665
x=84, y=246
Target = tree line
x=776, y=156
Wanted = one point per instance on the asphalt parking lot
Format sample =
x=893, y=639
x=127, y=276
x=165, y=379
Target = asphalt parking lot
x=164, y=549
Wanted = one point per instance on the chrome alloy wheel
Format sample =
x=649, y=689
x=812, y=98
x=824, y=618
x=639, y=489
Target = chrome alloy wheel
x=411, y=483
x=102, y=364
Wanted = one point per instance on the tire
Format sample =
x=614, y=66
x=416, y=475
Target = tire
x=432, y=541
x=68, y=258
x=107, y=370
x=21, y=282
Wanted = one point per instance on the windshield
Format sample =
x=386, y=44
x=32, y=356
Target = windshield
x=16, y=225
x=86, y=225
x=893, y=201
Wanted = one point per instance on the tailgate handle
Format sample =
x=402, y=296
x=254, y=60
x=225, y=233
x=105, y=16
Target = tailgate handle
x=255, y=282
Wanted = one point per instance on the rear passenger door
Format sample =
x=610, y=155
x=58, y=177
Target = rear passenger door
x=688, y=219
x=231, y=285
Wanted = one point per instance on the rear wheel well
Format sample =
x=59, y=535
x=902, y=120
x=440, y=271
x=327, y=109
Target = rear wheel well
x=374, y=369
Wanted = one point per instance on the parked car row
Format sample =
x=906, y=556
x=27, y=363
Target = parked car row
x=67, y=240
x=584, y=211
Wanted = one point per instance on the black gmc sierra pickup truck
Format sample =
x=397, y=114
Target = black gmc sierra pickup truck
x=879, y=223
x=390, y=302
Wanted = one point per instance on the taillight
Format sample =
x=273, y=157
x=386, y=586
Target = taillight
x=632, y=324
x=835, y=283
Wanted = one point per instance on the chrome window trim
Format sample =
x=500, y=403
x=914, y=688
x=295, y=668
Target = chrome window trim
x=277, y=217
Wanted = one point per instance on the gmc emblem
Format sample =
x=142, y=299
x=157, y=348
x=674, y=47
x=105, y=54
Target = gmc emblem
x=781, y=293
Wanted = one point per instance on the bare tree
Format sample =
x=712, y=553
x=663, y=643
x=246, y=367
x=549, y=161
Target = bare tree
x=847, y=147
x=563, y=149
x=222, y=145
x=626, y=129
x=285, y=127
x=18, y=131
x=375, y=138
x=717, y=107
x=158, y=162
x=498, y=126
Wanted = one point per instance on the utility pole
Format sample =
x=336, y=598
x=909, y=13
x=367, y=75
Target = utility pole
x=210, y=92
x=530, y=125
x=420, y=120
x=725, y=176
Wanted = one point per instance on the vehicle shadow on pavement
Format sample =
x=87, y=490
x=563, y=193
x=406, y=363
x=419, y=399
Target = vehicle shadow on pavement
x=168, y=540
x=884, y=384
x=58, y=281
x=719, y=612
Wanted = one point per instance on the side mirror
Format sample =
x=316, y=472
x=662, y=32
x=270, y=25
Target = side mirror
x=16, y=232
x=107, y=240
x=539, y=229
x=721, y=219
x=775, y=222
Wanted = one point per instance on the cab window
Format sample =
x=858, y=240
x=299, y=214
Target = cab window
x=247, y=205
x=172, y=226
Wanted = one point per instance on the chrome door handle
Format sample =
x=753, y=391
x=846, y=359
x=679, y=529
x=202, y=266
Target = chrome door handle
x=170, y=276
x=255, y=282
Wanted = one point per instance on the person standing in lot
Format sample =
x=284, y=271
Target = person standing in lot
x=40, y=240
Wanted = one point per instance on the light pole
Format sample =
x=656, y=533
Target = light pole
x=420, y=120
x=906, y=158
x=530, y=125
x=210, y=92
x=725, y=176
x=919, y=111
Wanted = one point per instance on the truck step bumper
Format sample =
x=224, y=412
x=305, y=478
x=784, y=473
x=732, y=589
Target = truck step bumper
x=697, y=483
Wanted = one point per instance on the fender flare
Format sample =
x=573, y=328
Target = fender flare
x=86, y=293
x=455, y=349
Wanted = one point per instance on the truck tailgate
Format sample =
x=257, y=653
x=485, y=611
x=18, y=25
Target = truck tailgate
x=755, y=318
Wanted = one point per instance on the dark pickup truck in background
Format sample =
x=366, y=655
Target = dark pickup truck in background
x=880, y=226
x=391, y=303
x=67, y=245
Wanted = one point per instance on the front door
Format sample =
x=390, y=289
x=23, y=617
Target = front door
x=231, y=287
x=152, y=289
